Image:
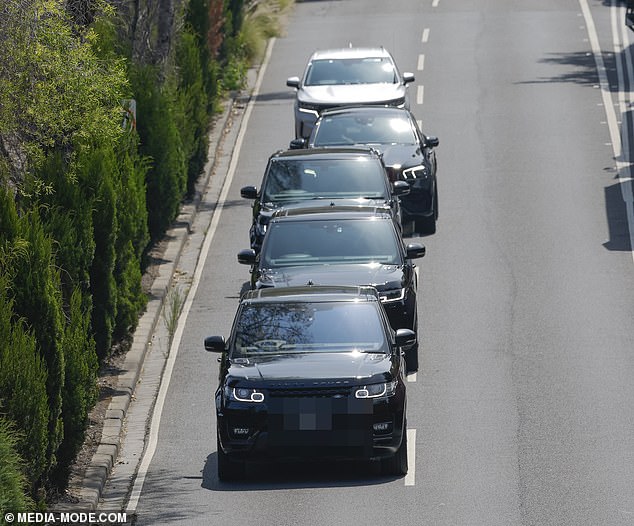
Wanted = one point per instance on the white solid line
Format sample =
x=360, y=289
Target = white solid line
x=410, y=478
x=169, y=366
x=420, y=92
x=421, y=62
x=411, y=377
x=425, y=37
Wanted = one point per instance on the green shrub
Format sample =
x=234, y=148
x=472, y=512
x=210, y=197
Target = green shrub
x=192, y=101
x=37, y=299
x=13, y=483
x=132, y=236
x=99, y=167
x=23, y=387
x=160, y=141
x=80, y=385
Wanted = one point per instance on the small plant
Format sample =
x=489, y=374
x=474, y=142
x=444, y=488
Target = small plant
x=172, y=310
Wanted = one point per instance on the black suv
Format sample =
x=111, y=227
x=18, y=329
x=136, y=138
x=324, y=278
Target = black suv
x=311, y=372
x=336, y=176
x=320, y=247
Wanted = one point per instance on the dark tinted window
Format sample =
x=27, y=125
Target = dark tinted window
x=364, y=129
x=370, y=70
x=295, y=179
x=277, y=328
x=292, y=243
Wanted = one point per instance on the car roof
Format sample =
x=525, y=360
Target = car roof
x=332, y=153
x=350, y=52
x=328, y=213
x=364, y=109
x=311, y=294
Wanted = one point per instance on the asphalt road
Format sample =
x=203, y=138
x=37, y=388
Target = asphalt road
x=523, y=405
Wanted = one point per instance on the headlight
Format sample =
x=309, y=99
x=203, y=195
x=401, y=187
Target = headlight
x=399, y=103
x=387, y=296
x=246, y=394
x=308, y=108
x=417, y=172
x=376, y=390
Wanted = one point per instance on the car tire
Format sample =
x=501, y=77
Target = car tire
x=411, y=359
x=229, y=469
x=396, y=465
x=426, y=225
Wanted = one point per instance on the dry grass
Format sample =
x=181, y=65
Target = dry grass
x=264, y=19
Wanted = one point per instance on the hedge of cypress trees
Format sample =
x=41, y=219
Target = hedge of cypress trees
x=81, y=199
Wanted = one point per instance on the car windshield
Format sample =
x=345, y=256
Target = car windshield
x=298, y=243
x=300, y=179
x=288, y=328
x=370, y=70
x=364, y=129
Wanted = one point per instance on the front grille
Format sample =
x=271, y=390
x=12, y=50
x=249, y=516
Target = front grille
x=311, y=392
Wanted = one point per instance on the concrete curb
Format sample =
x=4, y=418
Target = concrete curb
x=104, y=458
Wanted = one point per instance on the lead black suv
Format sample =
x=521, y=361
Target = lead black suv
x=335, y=176
x=321, y=247
x=311, y=372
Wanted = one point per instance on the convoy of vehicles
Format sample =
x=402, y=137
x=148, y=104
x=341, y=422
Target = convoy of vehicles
x=315, y=362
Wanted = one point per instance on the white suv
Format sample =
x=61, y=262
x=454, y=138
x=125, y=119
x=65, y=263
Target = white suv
x=343, y=77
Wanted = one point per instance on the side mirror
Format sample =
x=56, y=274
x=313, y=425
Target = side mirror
x=247, y=256
x=405, y=337
x=215, y=344
x=297, y=144
x=408, y=77
x=400, y=188
x=292, y=82
x=431, y=141
x=414, y=251
x=249, y=192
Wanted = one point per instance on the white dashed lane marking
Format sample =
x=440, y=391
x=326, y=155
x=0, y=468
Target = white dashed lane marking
x=420, y=93
x=421, y=62
x=410, y=478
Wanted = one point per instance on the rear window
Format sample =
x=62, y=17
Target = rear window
x=287, y=328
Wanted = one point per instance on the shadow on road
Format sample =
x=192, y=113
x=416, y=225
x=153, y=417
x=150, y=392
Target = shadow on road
x=616, y=212
x=293, y=475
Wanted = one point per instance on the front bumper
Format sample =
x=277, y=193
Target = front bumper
x=307, y=427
